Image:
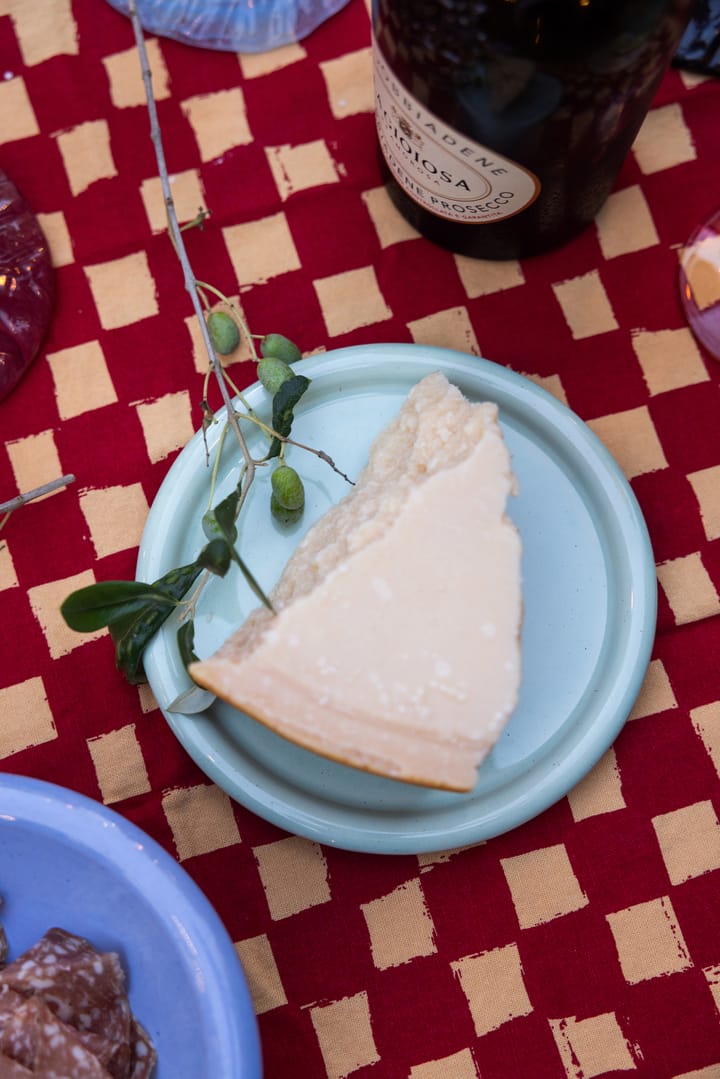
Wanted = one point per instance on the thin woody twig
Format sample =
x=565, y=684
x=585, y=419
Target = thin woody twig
x=320, y=454
x=179, y=244
x=37, y=492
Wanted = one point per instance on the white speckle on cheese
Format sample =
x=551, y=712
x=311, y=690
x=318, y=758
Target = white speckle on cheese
x=456, y=692
x=382, y=589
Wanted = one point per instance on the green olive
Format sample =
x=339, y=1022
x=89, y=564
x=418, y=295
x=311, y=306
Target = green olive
x=224, y=332
x=272, y=372
x=274, y=344
x=283, y=515
x=287, y=488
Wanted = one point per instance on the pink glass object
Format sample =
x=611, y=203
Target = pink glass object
x=700, y=283
x=27, y=286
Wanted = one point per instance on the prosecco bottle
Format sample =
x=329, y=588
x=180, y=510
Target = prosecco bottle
x=502, y=125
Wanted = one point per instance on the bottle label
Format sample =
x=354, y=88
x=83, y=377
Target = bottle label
x=440, y=168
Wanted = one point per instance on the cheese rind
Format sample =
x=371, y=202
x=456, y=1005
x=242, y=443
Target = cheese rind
x=396, y=643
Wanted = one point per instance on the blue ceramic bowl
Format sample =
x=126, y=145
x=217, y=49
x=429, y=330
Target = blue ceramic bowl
x=68, y=861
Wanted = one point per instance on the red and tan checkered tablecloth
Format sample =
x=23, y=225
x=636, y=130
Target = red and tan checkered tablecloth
x=584, y=943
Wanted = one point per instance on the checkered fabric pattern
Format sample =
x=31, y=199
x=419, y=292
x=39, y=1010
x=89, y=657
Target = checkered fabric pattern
x=584, y=943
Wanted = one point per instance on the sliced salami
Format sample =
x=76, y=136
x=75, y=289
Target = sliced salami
x=18, y=1037
x=143, y=1053
x=37, y=1039
x=64, y=1014
x=85, y=988
x=10, y=1069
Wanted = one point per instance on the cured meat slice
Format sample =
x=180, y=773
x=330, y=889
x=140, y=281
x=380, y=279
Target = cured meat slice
x=9, y=1001
x=144, y=1054
x=82, y=986
x=10, y=1069
x=36, y=1038
x=18, y=1037
x=115, y=1056
x=64, y=1014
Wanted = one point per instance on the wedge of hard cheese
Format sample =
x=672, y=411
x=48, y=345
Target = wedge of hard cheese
x=395, y=646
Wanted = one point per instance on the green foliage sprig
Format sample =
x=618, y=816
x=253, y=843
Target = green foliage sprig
x=134, y=611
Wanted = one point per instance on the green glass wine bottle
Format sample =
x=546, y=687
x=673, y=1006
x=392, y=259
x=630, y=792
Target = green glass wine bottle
x=502, y=125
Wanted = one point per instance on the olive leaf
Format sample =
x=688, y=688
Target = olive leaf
x=134, y=611
x=191, y=701
x=195, y=699
x=107, y=602
x=215, y=528
x=221, y=519
x=129, y=648
x=219, y=522
x=136, y=633
x=186, y=643
x=284, y=402
x=256, y=589
x=216, y=557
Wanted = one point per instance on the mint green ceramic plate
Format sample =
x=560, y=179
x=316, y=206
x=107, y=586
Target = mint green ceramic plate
x=589, y=596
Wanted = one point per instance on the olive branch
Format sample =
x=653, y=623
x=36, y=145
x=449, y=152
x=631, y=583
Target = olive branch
x=6, y=508
x=133, y=611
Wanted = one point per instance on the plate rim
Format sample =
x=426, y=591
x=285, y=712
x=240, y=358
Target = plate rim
x=508, y=383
